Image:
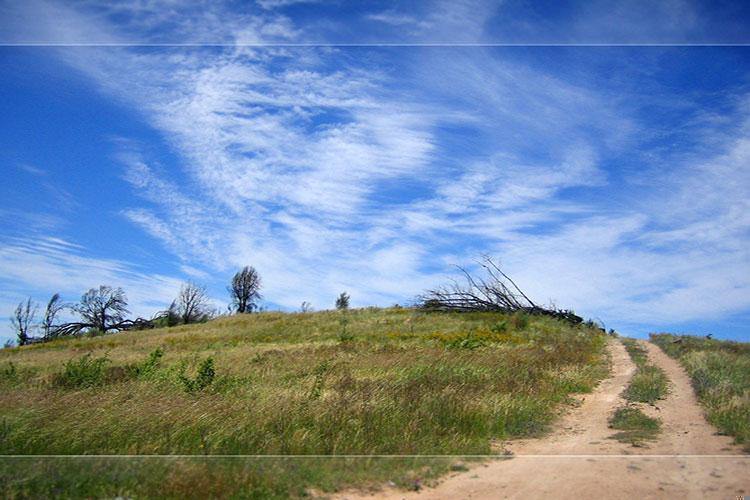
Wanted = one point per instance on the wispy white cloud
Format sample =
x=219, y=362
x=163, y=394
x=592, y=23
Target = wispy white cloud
x=41, y=266
x=32, y=169
x=396, y=19
x=276, y=4
x=325, y=175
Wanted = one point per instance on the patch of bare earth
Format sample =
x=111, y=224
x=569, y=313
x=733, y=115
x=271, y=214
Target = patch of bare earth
x=579, y=460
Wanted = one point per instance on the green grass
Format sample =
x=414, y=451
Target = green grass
x=649, y=383
x=392, y=382
x=635, y=426
x=720, y=373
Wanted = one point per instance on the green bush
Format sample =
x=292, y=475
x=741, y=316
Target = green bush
x=203, y=378
x=82, y=372
x=148, y=367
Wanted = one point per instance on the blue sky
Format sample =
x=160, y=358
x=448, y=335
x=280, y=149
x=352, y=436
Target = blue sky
x=601, y=153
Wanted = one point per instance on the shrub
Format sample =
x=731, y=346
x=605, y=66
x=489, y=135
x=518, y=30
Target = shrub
x=83, y=372
x=344, y=335
x=148, y=367
x=203, y=378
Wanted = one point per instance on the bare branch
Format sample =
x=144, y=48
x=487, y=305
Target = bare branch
x=494, y=292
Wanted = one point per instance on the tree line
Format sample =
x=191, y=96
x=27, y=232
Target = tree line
x=105, y=309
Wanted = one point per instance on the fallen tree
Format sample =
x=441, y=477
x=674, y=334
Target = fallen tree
x=495, y=291
x=76, y=328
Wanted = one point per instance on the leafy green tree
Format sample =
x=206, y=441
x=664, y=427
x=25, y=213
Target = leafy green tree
x=245, y=290
x=342, y=301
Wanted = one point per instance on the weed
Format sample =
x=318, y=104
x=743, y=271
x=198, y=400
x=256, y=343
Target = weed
x=635, y=425
x=9, y=372
x=519, y=320
x=500, y=327
x=344, y=335
x=320, y=374
x=467, y=341
x=148, y=367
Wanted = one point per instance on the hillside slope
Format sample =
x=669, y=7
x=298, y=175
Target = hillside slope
x=365, y=382
x=580, y=459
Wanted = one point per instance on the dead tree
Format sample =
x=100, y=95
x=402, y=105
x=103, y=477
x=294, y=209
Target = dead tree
x=102, y=309
x=245, y=290
x=54, y=307
x=22, y=321
x=496, y=291
x=192, y=303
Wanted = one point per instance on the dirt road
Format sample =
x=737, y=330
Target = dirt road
x=578, y=460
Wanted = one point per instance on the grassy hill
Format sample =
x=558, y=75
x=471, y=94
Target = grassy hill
x=362, y=382
x=720, y=373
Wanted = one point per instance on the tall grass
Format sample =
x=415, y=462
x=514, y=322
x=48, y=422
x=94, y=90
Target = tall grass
x=720, y=373
x=401, y=382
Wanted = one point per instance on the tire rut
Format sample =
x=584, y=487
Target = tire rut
x=579, y=460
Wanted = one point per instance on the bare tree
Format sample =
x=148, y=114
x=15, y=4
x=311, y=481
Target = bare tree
x=23, y=321
x=103, y=309
x=496, y=291
x=54, y=306
x=245, y=290
x=192, y=303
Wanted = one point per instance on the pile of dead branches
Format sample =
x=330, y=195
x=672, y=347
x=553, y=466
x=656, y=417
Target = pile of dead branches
x=496, y=291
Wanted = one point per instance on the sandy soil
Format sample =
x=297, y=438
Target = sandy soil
x=579, y=460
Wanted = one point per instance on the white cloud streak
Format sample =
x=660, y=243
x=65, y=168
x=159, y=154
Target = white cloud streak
x=294, y=160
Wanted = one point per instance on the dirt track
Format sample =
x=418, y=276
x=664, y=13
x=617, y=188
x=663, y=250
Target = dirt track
x=578, y=460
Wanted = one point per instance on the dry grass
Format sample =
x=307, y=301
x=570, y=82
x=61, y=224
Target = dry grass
x=396, y=381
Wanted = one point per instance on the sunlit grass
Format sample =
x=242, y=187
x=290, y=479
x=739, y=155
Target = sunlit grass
x=396, y=382
x=635, y=426
x=720, y=373
x=649, y=383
